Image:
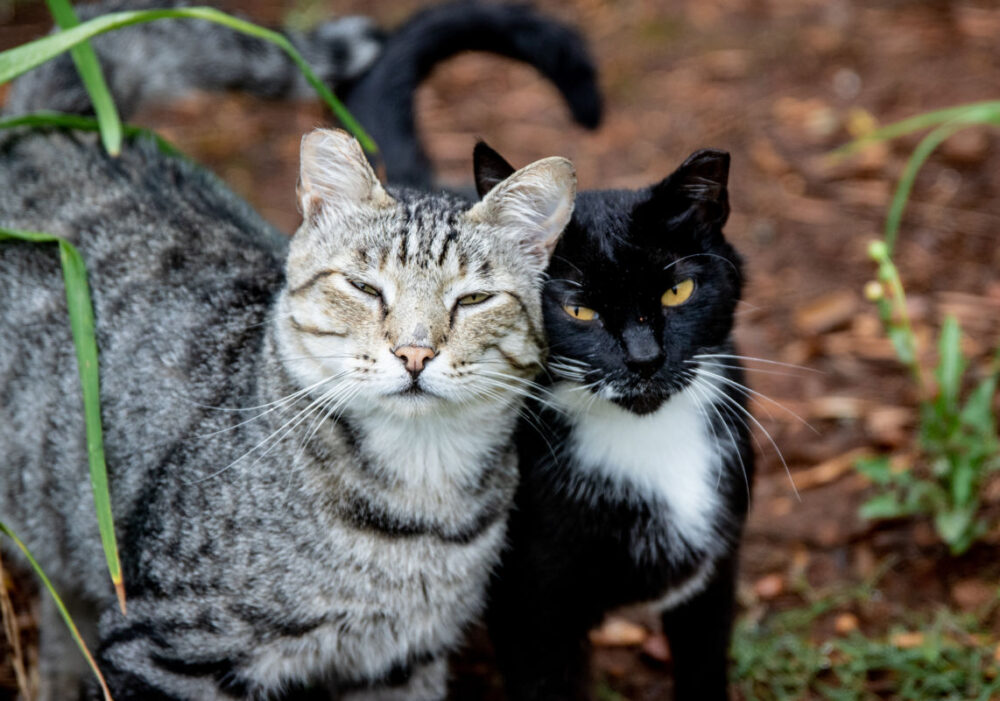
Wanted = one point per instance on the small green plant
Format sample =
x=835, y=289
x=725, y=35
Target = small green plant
x=957, y=435
x=778, y=658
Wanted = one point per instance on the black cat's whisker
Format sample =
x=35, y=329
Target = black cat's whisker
x=734, y=404
x=569, y=263
x=758, y=395
x=705, y=255
x=699, y=405
x=748, y=358
x=759, y=371
x=703, y=399
x=566, y=280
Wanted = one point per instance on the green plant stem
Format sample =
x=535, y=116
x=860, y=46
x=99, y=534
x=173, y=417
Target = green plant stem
x=18, y=60
x=81, y=316
x=92, y=76
x=920, y=154
x=59, y=605
x=984, y=111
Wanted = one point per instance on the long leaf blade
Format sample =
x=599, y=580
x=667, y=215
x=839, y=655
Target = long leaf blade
x=59, y=605
x=93, y=79
x=81, y=315
x=21, y=59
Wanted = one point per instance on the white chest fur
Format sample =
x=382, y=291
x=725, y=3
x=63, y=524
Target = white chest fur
x=670, y=455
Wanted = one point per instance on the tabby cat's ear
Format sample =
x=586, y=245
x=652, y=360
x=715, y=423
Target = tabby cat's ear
x=335, y=176
x=698, y=187
x=533, y=206
x=490, y=168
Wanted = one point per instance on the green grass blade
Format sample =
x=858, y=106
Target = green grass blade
x=920, y=154
x=82, y=123
x=982, y=112
x=951, y=364
x=21, y=59
x=81, y=316
x=93, y=79
x=62, y=608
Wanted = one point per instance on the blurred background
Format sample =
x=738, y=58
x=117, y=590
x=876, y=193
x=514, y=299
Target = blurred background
x=833, y=605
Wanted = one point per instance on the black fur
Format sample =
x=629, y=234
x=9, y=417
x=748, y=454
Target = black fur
x=382, y=99
x=573, y=535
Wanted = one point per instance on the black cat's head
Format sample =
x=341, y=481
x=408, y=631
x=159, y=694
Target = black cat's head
x=641, y=283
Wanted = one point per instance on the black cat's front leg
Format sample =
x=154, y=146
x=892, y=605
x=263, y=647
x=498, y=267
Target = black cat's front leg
x=699, y=632
x=541, y=657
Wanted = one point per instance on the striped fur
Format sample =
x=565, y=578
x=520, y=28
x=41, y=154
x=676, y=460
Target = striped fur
x=291, y=510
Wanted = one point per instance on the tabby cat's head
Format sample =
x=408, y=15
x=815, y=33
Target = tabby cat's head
x=641, y=283
x=408, y=300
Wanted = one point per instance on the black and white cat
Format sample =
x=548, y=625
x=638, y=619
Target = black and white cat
x=636, y=485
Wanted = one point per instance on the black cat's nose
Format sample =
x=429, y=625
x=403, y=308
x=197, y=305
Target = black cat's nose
x=643, y=354
x=414, y=357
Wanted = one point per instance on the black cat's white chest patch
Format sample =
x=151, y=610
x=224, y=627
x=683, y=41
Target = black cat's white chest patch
x=669, y=456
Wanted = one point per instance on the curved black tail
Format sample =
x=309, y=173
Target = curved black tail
x=382, y=98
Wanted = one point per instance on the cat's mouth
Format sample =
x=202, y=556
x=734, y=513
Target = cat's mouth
x=639, y=396
x=414, y=391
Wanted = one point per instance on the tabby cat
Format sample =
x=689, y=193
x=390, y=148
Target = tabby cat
x=635, y=486
x=308, y=443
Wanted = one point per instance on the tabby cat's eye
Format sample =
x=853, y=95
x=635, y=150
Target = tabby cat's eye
x=366, y=288
x=678, y=294
x=581, y=313
x=475, y=298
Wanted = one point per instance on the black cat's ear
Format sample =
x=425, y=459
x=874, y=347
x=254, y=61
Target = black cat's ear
x=490, y=168
x=698, y=187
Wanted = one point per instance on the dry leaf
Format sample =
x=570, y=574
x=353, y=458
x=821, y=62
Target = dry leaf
x=907, y=640
x=618, y=632
x=845, y=623
x=769, y=586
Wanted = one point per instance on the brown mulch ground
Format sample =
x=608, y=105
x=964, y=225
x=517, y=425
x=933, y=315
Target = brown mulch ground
x=778, y=83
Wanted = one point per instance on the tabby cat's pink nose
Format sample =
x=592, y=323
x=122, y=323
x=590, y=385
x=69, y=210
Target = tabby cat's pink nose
x=414, y=357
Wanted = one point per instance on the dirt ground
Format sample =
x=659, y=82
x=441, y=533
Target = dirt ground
x=778, y=83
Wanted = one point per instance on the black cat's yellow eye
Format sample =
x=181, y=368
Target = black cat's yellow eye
x=474, y=298
x=580, y=313
x=366, y=288
x=678, y=294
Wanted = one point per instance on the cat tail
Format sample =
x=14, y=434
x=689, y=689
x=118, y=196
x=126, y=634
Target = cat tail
x=382, y=98
x=170, y=58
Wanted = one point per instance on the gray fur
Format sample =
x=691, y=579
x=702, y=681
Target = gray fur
x=177, y=56
x=351, y=548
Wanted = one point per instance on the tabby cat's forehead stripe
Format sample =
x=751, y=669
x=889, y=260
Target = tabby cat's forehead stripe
x=322, y=274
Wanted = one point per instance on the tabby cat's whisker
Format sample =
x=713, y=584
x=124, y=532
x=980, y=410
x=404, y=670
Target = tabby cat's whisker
x=282, y=400
x=293, y=422
x=274, y=406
